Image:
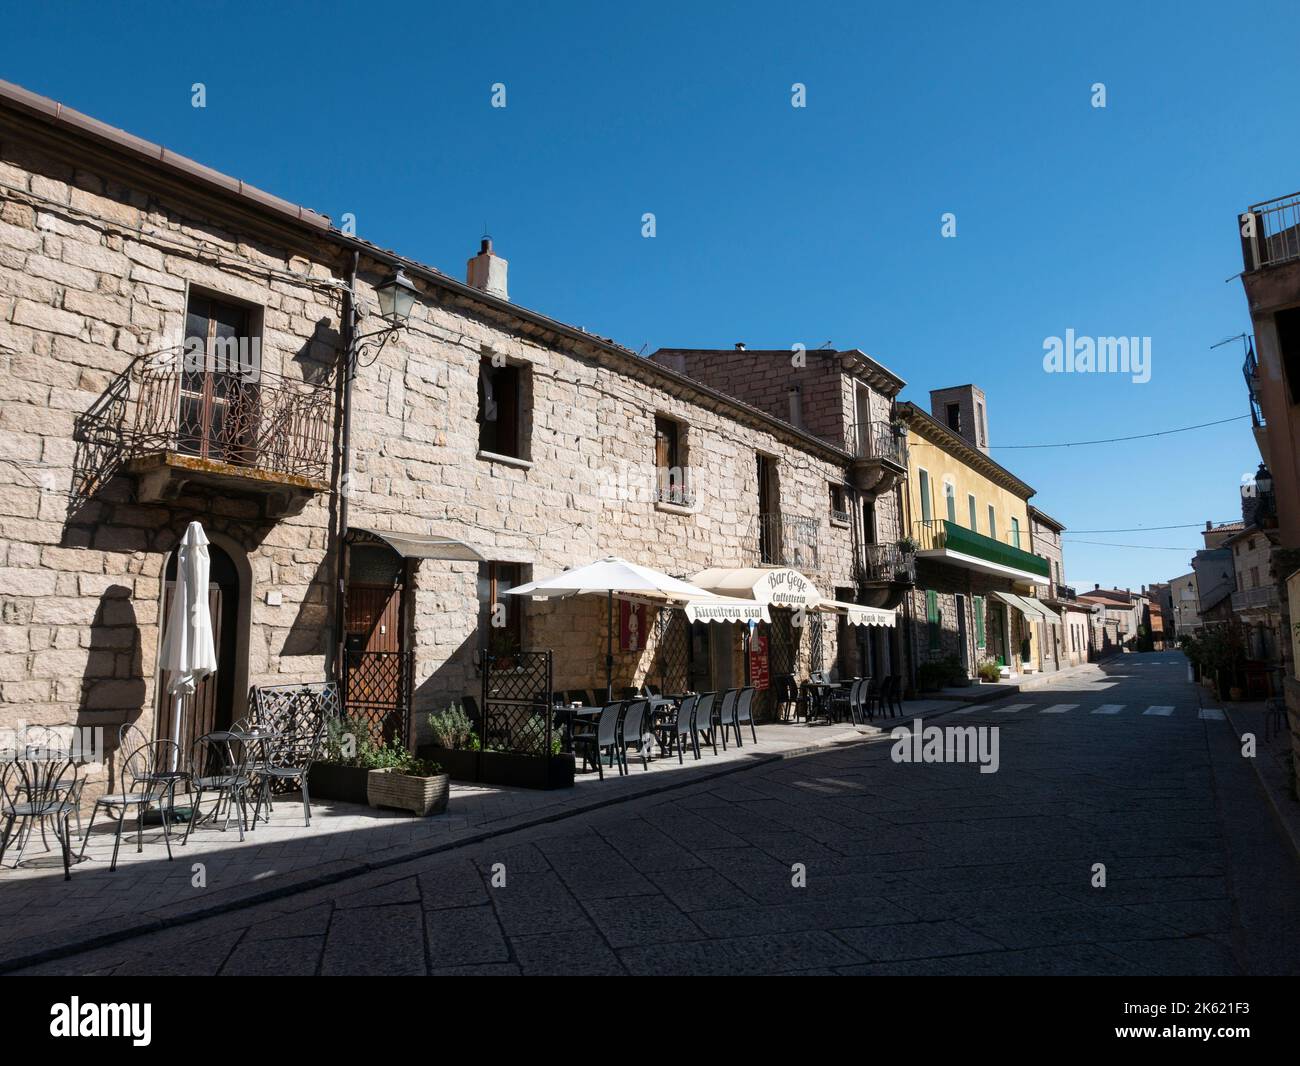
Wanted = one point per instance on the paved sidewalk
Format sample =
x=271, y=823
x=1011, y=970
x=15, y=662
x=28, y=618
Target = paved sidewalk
x=42, y=916
x=1271, y=763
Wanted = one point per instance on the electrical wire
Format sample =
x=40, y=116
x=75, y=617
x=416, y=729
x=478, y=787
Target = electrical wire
x=1116, y=440
x=1144, y=529
x=1112, y=544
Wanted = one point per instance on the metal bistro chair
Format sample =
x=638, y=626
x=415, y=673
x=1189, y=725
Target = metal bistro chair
x=592, y=743
x=682, y=728
x=219, y=765
x=702, y=722
x=632, y=732
x=745, y=714
x=37, y=790
x=289, y=757
x=142, y=788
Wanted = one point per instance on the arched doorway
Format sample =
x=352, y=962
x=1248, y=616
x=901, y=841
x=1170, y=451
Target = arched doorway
x=214, y=702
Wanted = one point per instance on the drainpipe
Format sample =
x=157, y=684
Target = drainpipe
x=341, y=562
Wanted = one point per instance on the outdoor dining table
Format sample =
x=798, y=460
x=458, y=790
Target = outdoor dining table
x=570, y=714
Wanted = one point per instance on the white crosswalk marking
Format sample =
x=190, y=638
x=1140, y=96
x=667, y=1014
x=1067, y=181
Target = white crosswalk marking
x=1108, y=708
x=966, y=710
x=1212, y=714
x=1163, y=712
x=1010, y=708
x=1058, y=708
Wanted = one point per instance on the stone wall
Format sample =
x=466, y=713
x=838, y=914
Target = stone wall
x=93, y=279
x=94, y=275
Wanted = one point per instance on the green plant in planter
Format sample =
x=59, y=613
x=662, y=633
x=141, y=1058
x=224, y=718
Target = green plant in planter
x=988, y=669
x=341, y=743
x=453, y=729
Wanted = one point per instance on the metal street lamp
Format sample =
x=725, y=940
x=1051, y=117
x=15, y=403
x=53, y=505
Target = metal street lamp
x=396, y=299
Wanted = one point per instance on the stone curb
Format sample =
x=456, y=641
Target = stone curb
x=21, y=954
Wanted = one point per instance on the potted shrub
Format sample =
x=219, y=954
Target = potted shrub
x=455, y=743
x=988, y=670
x=408, y=784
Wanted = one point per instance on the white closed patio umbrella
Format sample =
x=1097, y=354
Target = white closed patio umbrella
x=188, y=654
x=613, y=577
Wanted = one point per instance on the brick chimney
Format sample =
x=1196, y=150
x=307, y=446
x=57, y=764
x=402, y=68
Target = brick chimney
x=487, y=271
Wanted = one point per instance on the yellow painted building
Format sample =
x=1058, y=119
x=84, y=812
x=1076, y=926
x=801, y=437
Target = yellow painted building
x=969, y=519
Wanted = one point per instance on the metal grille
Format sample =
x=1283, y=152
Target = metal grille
x=1274, y=235
x=297, y=708
x=672, y=649
x=517, y=712
x=272, y=423
x=817, y=624
x=782, y=654
x=377, y=687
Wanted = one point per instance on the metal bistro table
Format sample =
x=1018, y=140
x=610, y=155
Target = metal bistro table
x=570, y=714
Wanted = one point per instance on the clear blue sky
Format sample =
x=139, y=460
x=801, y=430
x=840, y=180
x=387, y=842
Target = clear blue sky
x=779, y=225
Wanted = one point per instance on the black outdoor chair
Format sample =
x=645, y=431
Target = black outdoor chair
x=851, y=700
x=872, y=698
x=577, y=695
x=37, y=791
x=219, y=765
x=682, y=728
x=891, y=695
x=630, y=692
x=288, y=757
x=594, y=742
x=787, y=697
x=702, y=722
x=633, y=732
x=725, y=716
x=142, y=788
x=745, y=714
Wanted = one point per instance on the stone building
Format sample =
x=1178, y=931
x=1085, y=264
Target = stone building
x=1055, y=646
x=969, y=519
x=175, y=346
x=847, y=399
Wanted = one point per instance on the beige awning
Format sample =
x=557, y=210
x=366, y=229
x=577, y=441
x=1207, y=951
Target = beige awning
x=423, y=546
x=775, y=586
x=726, y=609
x=1029, y=607
x=857, y=614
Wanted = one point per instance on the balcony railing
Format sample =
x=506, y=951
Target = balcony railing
x=1272, y=232
x=1053, y=591
x=940, y=534
x=877, y=440
x=672, y=485
x=1262, y=596
x=266, y=423
x=886, y=563
x=785, y=540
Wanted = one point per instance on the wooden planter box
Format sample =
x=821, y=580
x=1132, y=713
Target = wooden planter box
x=420, y=795
x=503, y=768
x=331, y=780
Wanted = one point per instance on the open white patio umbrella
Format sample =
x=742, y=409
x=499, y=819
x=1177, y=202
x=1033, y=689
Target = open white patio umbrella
x=188, y=654
x=613, y=577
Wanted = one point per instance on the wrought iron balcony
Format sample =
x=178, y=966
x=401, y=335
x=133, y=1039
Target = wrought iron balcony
x=256, y=433
x=951, y=543
x=1271, y=232
x=886, y=563
x=879, y=456
x=785, y=540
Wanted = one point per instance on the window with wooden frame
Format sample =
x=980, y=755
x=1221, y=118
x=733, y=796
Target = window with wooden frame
x=219, y=412
x=500, y=616
x=501, y=415
x=671, y=482
x=839, y=506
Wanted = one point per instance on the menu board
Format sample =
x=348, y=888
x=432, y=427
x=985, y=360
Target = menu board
x=758, y=669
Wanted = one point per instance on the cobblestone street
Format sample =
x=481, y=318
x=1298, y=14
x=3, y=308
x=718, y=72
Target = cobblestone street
x=910, y=868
